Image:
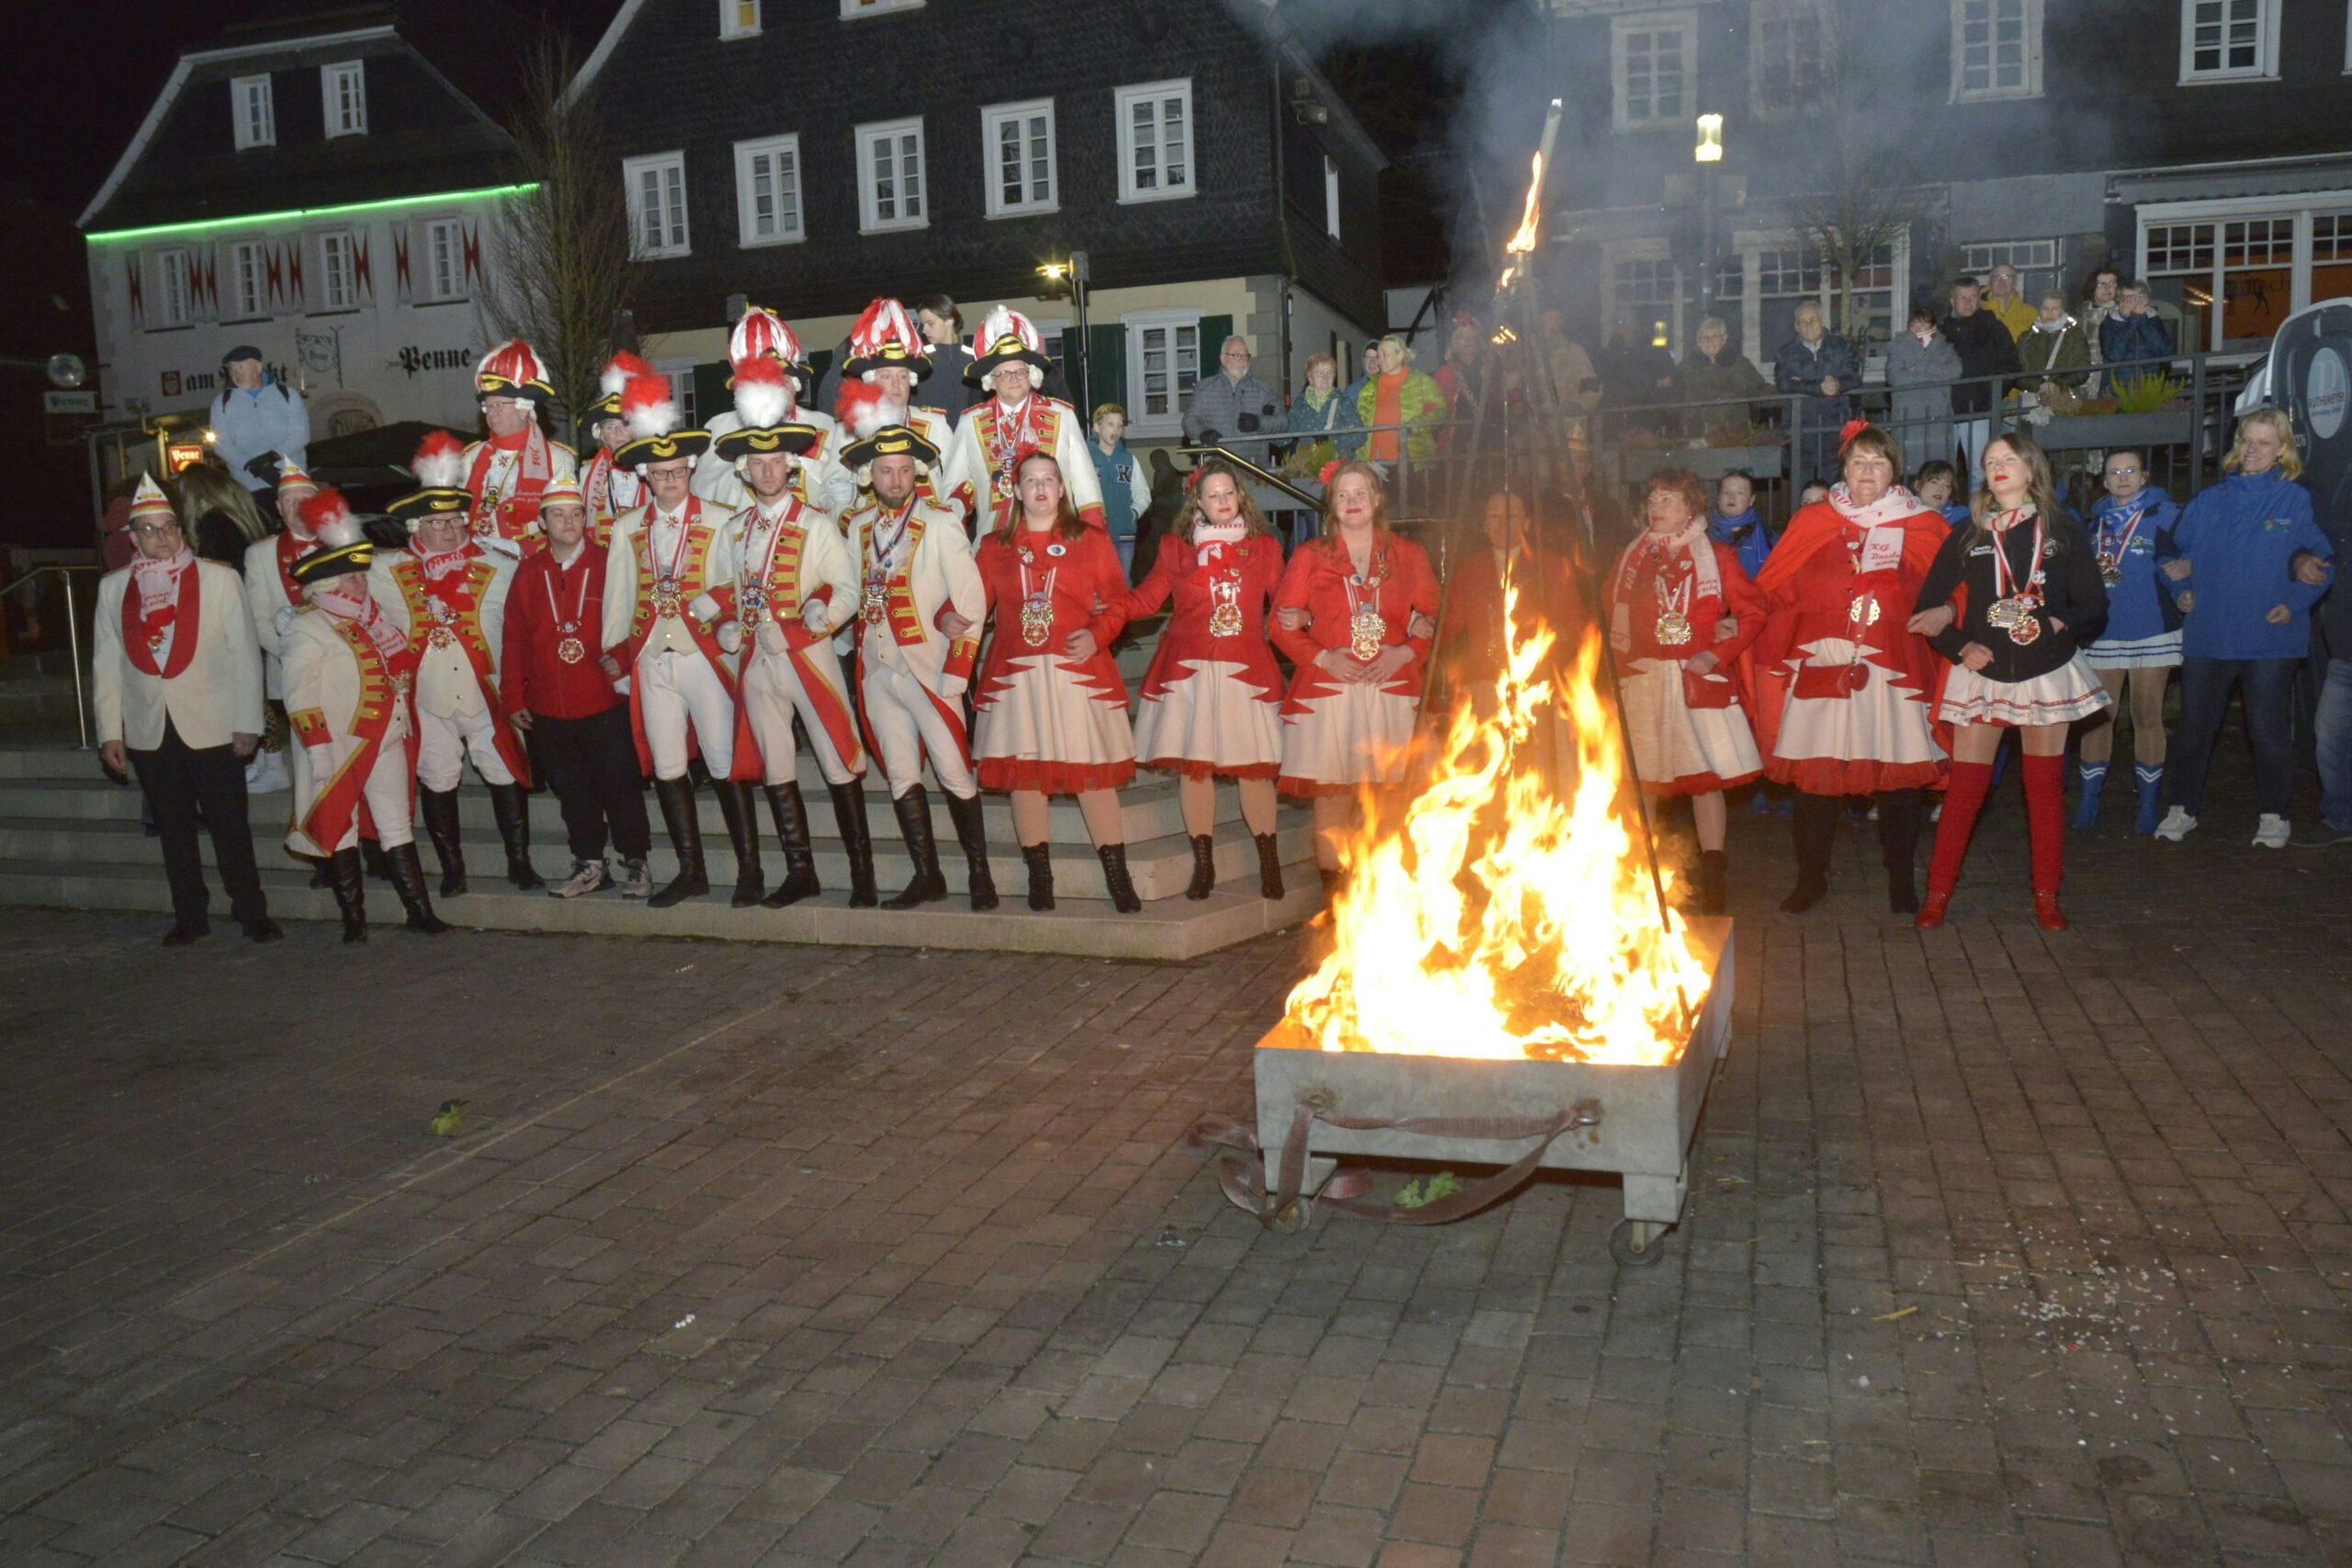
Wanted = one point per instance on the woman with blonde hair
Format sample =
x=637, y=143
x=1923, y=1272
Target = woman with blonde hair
x=2246, y=618
x=223, y=518
x=1400, y=406
x=1212, y=698
x=2033, y=598
x=1357, y=608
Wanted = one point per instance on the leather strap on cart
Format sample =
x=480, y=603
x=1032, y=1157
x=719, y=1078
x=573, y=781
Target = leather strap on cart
x=1284, y=1210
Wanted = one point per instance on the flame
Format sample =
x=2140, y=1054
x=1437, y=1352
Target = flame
x=1524, y=240
x=1564, y=952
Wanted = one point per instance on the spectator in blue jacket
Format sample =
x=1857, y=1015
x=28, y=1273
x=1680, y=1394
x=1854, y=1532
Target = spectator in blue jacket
x=2134, y=332
x=2130, y=528
x=1736, y=523
x=257, y=418
x=1821, y=370
x=1126, y=489
x=1937, y=484
x=2246, y=618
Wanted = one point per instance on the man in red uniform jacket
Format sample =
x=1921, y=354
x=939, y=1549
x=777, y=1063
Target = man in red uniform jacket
x=556, y=688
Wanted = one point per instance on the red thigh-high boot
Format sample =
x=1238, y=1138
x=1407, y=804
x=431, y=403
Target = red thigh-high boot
x=1964, y=798
x=2045, y=822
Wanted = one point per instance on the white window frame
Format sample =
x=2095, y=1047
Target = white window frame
x=427, y=286
x=1746, y=247
x=247, y=95
x=1138, y=323
x=2220, y=212
x=731, y=23
x=676, y=237
x=1622, y=29
x=174, y=308
x=246, y=262
x=854, y=10
x=1330, y=196
x=1766, y=105
x=332, y=78
x=338, y=286
x=869, y=207
x=681, y=373
x=791, y=219
x=2029, y=87
x=2265, y=67
x=994, y=118
x=1123, y=101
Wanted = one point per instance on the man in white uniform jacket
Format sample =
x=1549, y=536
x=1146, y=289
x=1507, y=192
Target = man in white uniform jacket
x=176, y=680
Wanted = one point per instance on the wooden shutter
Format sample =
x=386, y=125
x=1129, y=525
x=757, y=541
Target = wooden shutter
x=1106, y=365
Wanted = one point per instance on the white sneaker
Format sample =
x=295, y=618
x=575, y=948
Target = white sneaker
x=587, y=876
x=637, y=879
x=2178, y=825
x=266, y=775
x=2271, y=833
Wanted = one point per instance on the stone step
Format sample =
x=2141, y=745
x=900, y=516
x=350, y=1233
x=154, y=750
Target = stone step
x=1169, y=928
x=1161, y=867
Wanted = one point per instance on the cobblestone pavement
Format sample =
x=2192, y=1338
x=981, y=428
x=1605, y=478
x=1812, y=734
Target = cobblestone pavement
x=2003, y=1248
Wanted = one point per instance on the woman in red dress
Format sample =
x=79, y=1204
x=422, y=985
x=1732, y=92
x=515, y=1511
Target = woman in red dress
x=1050, y=711
x=1680, y=614
x=1355, y=612
x=1845, y=690
x=1470, y=644
x=1212, y=699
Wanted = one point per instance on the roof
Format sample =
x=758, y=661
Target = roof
x=427, y=133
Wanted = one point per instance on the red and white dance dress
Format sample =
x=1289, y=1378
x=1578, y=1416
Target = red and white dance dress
x=1212, y=699
x=1043, y=721
x=1666, y=601
x=1339, y=734
x=1846, y=694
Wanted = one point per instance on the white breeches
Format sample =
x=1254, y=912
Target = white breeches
x=772, y=692
x=906, y=723
x=444, y=741
x=674, y=691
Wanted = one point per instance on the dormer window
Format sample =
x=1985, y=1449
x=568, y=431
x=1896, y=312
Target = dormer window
x=249, y=104
x=346, y=89
x=739, y=18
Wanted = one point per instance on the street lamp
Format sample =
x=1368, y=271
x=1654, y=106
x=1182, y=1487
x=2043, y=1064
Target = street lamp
x=1709, y=155
x=1069, y=278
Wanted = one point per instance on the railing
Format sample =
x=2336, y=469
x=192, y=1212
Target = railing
x=64, y=574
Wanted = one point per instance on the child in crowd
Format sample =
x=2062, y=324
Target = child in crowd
x=1736, y=523
x=1937, y=484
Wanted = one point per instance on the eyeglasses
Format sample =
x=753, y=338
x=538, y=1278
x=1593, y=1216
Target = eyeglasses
x=155, y=530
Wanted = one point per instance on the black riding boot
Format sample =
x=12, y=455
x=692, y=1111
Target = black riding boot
x=350, y=885
x=1114, y=877
x=1815, y=826
x=408, y=881
x=849, y=809
x=1203, y=867
x=743, y=835
x=1899, y=812
x=677, y=798
x=972, y=837
x=1270, y=865
x=513, y=809
x=1039, y=858
x=799, y=860
x=439, y=809
x=373, y=862
x=915, y=822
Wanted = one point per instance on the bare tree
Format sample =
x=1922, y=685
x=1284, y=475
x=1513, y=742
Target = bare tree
x=564, y=278
x=1868, y=196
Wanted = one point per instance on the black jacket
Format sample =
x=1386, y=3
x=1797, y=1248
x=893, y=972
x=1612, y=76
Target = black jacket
x=1985, y=349
x=2073, y=600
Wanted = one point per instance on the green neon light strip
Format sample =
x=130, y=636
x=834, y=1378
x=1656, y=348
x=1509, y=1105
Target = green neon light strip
x=298, y=214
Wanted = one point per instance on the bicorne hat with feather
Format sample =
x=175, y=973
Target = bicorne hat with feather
x=651, y=406
x=769, y=410
x=440, y=470
x=878, y=427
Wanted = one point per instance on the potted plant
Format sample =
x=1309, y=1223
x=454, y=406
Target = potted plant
x=2147, y=407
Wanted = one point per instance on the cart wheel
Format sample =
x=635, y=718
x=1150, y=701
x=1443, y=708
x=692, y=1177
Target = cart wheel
x=1637, y=1244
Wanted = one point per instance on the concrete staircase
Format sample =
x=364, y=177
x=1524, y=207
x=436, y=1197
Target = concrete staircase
x=69, y=838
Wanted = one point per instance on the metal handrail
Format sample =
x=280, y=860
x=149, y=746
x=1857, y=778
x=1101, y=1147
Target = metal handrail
x=73, y=635
x=1311, y=502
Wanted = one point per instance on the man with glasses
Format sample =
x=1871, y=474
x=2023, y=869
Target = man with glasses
x=175, y=682
x=1234, y=409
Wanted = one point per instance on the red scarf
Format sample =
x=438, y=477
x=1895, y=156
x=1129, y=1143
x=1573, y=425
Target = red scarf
x=163, y=601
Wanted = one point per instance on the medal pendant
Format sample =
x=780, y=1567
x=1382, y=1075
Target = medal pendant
x=2111, y=574
x=154, y=642
x=1366, y=630
x=1674, y=629
x=1864, y=610
x=1225, y=608
x=2004, y=613
x=1036, y=620
x=755, y=602
x=1004, y=486
x=442, y=637
x=2025, y=629
x=874, y=603
x=569, y=651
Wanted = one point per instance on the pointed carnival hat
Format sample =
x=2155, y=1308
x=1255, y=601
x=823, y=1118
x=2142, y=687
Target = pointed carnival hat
x=770, y=413
x=513, y=369
x=1008, y=337
x=343, y=547
x=657, y=432
x=440, y=470
x=290, y=476
x=149, y=501
x=880, y=428
x=885, y=338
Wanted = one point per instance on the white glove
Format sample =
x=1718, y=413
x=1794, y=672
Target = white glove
x=705, y=608
x=621, y=686
x=283, y=619
x=770, y=638
x=731, y=636
x=816, y=617
x=953, y=686
x=840, y=493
